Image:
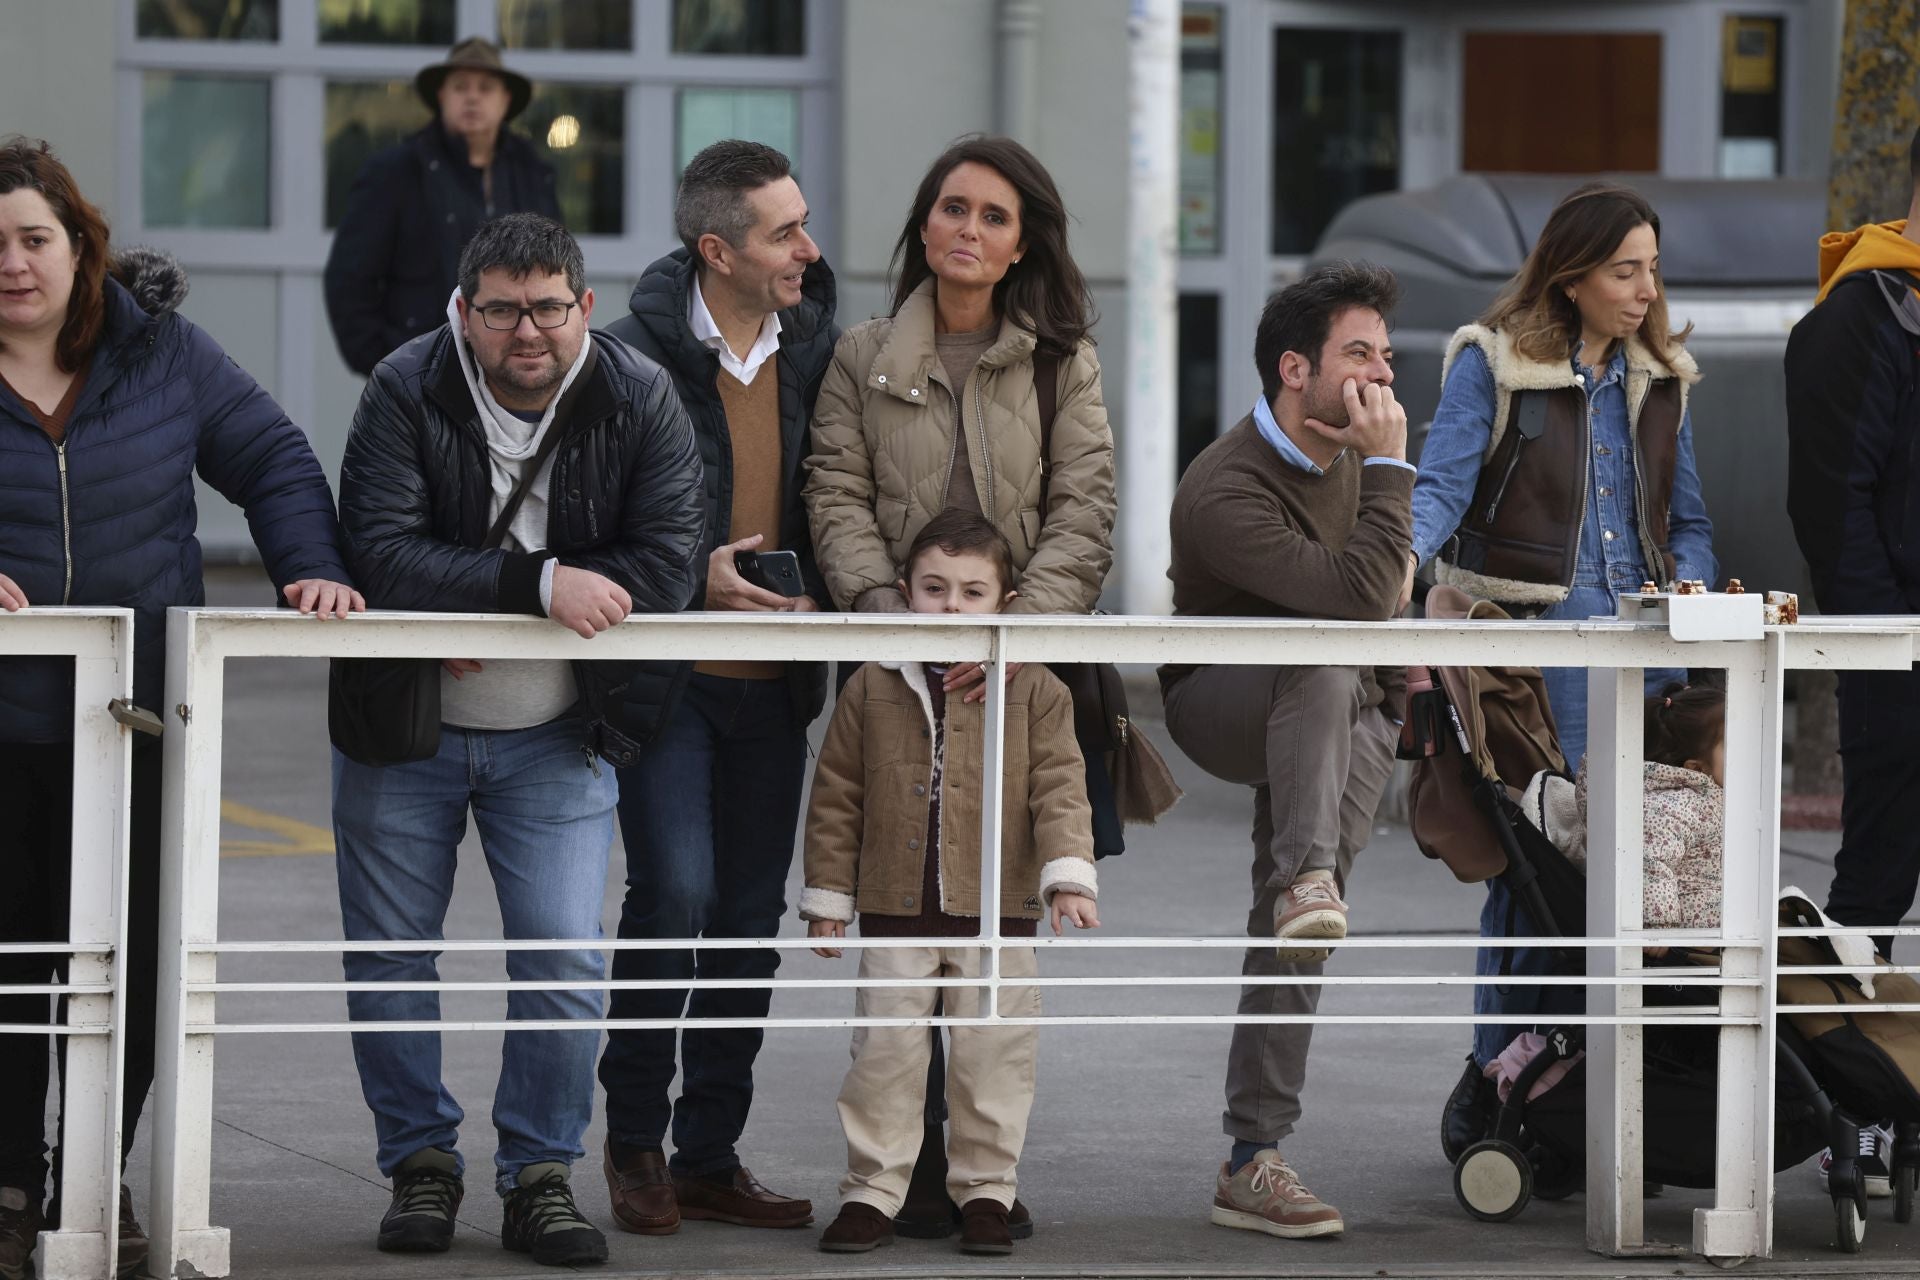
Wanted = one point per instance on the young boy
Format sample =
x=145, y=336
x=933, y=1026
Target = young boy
x=893, y=833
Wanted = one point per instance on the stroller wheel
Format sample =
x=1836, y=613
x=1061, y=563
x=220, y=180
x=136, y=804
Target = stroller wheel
x=1493, y=1180
x=1849, y=1226
x=1903, y=1188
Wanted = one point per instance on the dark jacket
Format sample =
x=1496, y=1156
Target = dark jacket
x=658, y=328
x=107, y=517
x=1853, y=422
x=412, y=209
x=623, y=500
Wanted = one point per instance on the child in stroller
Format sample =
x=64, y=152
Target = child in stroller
x=1474, y=731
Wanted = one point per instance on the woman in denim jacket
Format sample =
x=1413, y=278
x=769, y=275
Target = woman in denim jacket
x=1557, y=475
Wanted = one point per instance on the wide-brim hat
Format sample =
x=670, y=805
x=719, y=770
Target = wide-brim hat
x=473, y=54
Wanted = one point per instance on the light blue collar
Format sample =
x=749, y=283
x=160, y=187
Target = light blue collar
x=1282, y=443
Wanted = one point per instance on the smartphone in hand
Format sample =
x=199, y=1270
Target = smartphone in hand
x=775, y=571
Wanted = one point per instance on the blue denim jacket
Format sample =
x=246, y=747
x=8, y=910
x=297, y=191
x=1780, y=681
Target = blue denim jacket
x=1609, y=551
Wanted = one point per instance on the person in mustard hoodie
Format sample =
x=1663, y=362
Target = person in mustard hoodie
x=1853, y=413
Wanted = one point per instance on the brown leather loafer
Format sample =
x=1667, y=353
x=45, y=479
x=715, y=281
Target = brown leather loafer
x=641, y=1190
x=860, y=1228
x=983, y=1227
x=740, y=1199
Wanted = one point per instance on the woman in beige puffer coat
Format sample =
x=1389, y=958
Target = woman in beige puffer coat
x=936, y=404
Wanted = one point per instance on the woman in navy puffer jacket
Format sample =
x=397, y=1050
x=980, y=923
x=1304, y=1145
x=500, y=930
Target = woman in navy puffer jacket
x=109, y=404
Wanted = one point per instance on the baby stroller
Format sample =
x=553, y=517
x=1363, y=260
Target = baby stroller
x=1478, y=735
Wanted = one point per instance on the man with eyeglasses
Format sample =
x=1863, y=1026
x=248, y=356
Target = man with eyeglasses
x=509, y=462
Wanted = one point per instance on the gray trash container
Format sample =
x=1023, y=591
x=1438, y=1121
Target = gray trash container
x=1739, y=260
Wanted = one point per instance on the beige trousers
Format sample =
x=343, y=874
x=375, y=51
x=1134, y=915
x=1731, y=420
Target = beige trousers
x=990, y=1078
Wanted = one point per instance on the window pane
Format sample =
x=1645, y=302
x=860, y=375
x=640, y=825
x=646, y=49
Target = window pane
x=364, y=117
x=1336, y=126
x=1197, y=395
x=1750, y=97
x=773, y=28
x=581, y=129
x=386, y=22
x=203, y=159
x=1200, y=72
x=566, y=24
x=770, y=116
x=208, y=19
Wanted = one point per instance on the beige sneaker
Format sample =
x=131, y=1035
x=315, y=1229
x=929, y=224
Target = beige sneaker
x=1266, y=1195
x=1309, y=909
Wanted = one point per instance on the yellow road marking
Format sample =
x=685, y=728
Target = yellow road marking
x=294, y=836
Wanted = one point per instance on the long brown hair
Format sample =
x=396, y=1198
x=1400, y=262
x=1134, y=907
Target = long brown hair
x=29, y=164
x=1044, y=293
x=1581, y=234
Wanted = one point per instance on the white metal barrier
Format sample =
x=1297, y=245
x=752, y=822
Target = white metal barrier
x=100, y=642
x=1740, y=1223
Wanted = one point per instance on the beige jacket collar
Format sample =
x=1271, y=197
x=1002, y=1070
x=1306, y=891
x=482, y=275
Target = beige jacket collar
x=909, y=359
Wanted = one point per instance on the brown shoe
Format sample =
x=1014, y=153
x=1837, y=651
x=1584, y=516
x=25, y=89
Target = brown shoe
x=20, y=1226
x=642, y=1191
x=860, y=1228
x=1310, y=909
x=739, y=1198
x=1268, y=1196
x=983, y=1227
x=133, y=1238
x=1019, y=1221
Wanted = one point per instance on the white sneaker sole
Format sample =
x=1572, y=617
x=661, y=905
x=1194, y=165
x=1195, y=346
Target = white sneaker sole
x=1316, y=925
x=1255, y=1222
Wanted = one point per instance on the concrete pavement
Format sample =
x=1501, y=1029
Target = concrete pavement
x=1125, y=1136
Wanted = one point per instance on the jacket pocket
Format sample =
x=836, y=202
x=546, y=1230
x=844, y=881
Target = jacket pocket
x=891, y=515
x=1030, y=528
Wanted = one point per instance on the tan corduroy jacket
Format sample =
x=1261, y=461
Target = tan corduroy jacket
x=867, y=821
x=883, y=443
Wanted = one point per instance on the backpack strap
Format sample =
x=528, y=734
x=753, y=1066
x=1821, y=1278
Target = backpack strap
x=1046, y=386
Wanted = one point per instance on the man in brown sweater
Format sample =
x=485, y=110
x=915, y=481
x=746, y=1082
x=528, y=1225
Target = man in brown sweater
x=742, y=317
x=1302, y=510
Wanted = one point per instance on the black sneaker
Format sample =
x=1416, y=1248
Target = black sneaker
x=1469, y=1114
x=426, y=1197
x=541, y=1219
x=20, y=1224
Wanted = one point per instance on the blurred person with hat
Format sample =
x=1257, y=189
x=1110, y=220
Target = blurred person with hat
x=415, y=205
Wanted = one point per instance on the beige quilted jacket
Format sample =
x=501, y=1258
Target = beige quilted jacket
x=883, y=443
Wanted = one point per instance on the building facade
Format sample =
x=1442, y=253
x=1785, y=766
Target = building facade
x=228, y=130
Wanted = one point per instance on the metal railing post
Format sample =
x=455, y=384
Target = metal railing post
x=1616, y=1219
x=1740, y=1224
x=992, y=764
x=182, y=1241
x=86, y=1244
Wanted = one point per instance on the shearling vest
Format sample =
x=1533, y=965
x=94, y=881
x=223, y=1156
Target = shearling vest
x=1520, y=537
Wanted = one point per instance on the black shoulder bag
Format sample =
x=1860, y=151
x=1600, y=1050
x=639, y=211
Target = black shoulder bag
x=383, y=711
x=1127, y=781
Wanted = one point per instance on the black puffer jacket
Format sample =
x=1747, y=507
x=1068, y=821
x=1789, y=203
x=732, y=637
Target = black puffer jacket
x=658, y=328
x=623, y=500
x=412, y=209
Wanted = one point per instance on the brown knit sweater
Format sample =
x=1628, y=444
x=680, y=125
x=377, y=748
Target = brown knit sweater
x=1255, y=536
x=753, y=434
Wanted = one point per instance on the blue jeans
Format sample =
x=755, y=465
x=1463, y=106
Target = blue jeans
x=708, y=815
x=544, y=810
x=1567, y=695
